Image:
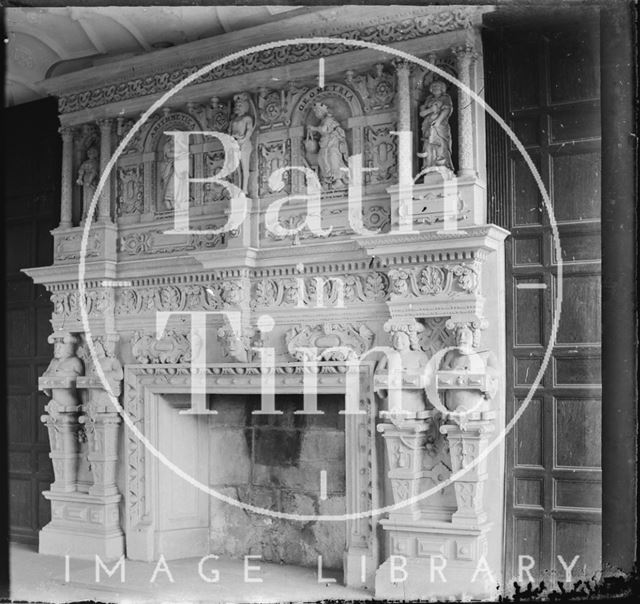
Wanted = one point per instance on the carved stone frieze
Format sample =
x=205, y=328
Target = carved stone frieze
x=369, y=287
x=385, y=33
x=173, y=347
x=432, y=280
x=213, y=296
x=155, y=241
x=67, y=246
x=330, y=341
x=374, y=217
x=66, y=304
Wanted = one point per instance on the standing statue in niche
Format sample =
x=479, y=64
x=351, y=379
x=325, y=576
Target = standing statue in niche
x=166, y=174
x=241, y=128
x=332, y=151
x=436, y=133
x=88, y=179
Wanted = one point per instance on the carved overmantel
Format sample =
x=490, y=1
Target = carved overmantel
x=416, y=251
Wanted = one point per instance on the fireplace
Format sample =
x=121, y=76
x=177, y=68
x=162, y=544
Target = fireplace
x=289, y=463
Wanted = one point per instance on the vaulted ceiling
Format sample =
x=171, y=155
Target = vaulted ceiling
x=43, y=42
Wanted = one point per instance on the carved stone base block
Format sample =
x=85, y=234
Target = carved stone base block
x=62, y=426
x=359, y=568
x=466, y=445
x=82, y=526
x=101, y=244
x=405, y=449
x=435, y=560
x=443, y=203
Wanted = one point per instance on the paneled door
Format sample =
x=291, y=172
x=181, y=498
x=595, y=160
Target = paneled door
x=31, y=210
x=547, y=85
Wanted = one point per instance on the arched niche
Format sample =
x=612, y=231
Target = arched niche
x=343, y=104
x=158, y=154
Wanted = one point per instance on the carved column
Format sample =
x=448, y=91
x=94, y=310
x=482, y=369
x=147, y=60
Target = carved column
x=405, y=143
x=67, y=177
x=104, y=204
x=466, y=166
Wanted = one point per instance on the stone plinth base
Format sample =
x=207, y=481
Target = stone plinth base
x=359, y=568
x=101, y=243
x=435, y=560
x=82, y=526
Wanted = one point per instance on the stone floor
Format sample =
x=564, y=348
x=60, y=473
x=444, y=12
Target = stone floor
x=39, y=578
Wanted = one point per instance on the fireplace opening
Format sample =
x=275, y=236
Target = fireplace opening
x=290, y=463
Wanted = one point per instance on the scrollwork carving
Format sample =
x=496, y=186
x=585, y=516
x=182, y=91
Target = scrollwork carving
x=385, y=33
x=330, y=341
x=173, y=347
x=381, y=152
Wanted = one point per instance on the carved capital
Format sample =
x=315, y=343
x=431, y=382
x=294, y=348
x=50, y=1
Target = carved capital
x=105, y=125
x=409, y=327
x=465, y=53
x=402, y=66
x=67, y=133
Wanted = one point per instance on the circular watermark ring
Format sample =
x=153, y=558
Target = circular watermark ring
x=206, y=488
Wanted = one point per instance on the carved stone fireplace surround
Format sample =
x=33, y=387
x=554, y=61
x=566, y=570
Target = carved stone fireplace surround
x=106, y=503
x=145, y=383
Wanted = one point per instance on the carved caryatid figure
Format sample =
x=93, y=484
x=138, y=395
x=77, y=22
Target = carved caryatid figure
x=88, y=179
x=405, y=341
x=65, y=364
x=468, y=358
x=111, y=366
x=436, y=133
x=332, y=150
x=241, y=128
